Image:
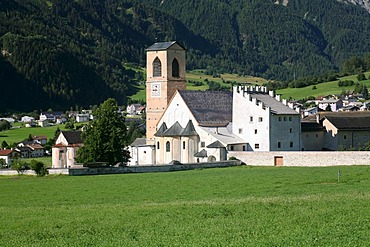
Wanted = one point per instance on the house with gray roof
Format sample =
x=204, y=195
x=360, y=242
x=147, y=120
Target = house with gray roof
x=346, y=130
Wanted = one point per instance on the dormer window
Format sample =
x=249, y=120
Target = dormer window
x=157, y=67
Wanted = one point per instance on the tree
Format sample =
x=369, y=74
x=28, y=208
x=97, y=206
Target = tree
x=361, y=77
x=105, y=137
x=70, y=125
x=38, y=167
x=4, y=125
x=4, y=144
x=2, y=163
x=20, y=166
x=365, y=92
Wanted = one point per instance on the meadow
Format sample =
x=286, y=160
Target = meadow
x=240, y=206
x=322, y=89
x=20, y=133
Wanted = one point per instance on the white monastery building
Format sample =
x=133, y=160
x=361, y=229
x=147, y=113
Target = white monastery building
x=199, y=126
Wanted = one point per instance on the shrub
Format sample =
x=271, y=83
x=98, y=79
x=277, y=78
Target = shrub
x=38, y=167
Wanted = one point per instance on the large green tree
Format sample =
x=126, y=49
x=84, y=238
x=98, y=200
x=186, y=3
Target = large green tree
x=105, y=137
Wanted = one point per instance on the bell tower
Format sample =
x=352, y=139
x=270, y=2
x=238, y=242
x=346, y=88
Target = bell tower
x=165, y=73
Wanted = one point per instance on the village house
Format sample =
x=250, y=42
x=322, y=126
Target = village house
x=135, y=109
x=8, y=155
x=82, y=117
x=51, y=116
x=334, y=104
x=27, y=119
x=32, y=150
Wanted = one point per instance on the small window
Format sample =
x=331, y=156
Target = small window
x=243, y=148
x=291, y=144
x=157, y=145
x=144, y=152
x=183, y=145
x=251, y=119
x=290, y=130
x=168, y=147
x=279, y=144
x=255, y=131
x=240, y=131
x=290, y=118
x=284, y=118
x=202, y=144
x=231, y=148
x=256, y=146
x=317, y=135
x=260, y=119
x=345, y=137
x=280, y=119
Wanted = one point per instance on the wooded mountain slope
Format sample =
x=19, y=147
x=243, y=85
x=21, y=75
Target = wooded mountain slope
x=63, y=53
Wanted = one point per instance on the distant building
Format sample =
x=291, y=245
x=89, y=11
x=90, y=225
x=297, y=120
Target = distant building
x=334, y=104
x=135, y=109
x=8, y=155
x=27, y=119
x=82, y=117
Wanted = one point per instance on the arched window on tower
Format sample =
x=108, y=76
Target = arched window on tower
x=175, y=68
x=157, y=67
x=168, y=147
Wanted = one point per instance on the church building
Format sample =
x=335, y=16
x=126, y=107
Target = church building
x=202, y=126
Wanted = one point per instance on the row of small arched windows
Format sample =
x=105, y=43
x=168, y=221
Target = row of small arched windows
x=168, y=146
x=157, y=68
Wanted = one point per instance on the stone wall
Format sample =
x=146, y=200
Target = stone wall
x=304, y=158
x=10, y=172
x=142, y=169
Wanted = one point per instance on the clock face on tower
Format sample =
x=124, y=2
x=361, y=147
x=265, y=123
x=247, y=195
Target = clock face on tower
x=155, y=90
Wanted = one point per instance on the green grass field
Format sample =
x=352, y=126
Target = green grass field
x=240, y=206
x=322, y=89
x=19, y=134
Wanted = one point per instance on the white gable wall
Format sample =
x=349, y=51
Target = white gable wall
x=251, y=121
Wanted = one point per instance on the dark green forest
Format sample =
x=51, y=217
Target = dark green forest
x=66, y=53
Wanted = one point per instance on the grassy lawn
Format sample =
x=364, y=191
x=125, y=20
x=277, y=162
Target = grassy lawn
x=240, y=206
x=322, y=89
x=19, y=134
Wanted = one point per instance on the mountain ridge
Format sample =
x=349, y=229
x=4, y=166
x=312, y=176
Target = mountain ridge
x=78, y=53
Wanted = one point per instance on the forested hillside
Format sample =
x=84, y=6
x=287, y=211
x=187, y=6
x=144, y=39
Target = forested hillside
x=63, y=53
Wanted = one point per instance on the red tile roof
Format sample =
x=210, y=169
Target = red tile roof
x=5, y=152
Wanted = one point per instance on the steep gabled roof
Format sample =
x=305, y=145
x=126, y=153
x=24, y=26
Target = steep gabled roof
x=189, y=130
x=73, y=137
x=160, y=46
x=210, y=108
